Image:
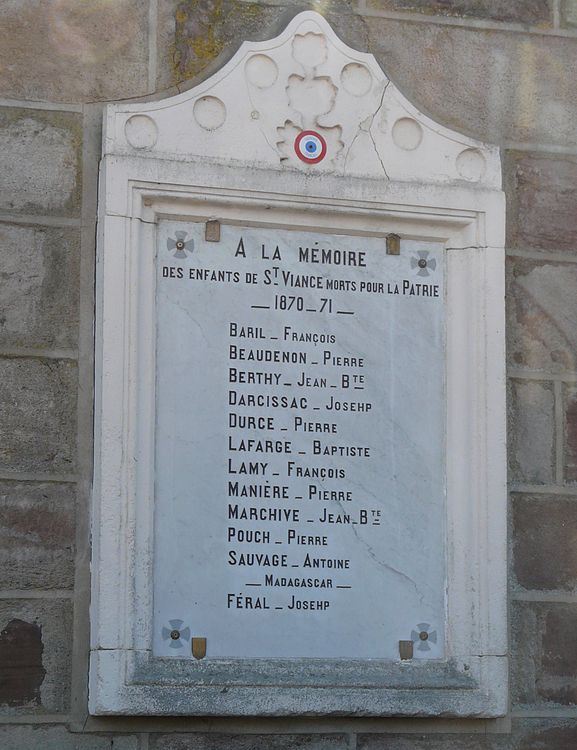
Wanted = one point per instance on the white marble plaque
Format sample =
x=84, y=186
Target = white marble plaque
x=300, y=480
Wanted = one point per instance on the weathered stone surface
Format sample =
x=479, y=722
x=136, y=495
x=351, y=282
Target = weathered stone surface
x=414, y=741
x=39, y=275
x=542, y=315
x=195, y=37
x=59, y=738
x=570, y=458
x=543, y=541
x=37, y=415
x=499, y=87
x=36, y=535
x=35, y=654
x=541, y=201
x=531, y=431
x=528, y=12
x=70, y=51
x=40, y=161
x=544, y=648
x=568, y=13
x=248, y=742
x=543, y=734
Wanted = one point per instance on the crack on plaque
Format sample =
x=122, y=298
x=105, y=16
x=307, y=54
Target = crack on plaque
x=378, y=561
x=357, y=134
x=469, y=247
x=388, y=567
x=138, y=218
x=371, y=125
x=369, y=549
x=188, y=314
x=132, y=218
x=367, y=129
x=260, y=126
x=264, y=135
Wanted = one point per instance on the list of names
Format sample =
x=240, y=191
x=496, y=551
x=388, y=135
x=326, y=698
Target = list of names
x=299, y=463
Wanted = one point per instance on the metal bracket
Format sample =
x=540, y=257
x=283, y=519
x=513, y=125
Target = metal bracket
x=393, y=244
x=212, y=231
x=406, y=650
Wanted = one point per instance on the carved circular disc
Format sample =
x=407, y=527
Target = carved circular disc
x=261, y=71
x=209, y=112
x=471, y=164
x=141, y=131
x=407, y=134
x=356, y=79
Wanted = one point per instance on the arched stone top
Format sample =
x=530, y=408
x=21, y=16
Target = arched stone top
x=253, y=109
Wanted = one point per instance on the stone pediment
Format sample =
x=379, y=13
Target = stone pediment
x=256, y=109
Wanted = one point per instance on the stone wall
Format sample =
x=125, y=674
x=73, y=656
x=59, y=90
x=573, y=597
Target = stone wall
x=501, y=70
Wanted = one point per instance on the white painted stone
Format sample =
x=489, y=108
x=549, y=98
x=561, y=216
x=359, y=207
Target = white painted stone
x=141, y=131
x=377, y=512
x=407, y=134
x=236, y=149
x=471, y=164
x=261, y=71
x=356, y=79
x=209, y=112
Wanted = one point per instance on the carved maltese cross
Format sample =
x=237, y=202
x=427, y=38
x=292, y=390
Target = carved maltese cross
x=422, y=262
x=180, y=245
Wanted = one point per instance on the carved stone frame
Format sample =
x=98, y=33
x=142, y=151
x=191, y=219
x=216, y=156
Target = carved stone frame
x=141, y=185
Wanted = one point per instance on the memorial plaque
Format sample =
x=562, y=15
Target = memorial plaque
x=300, y=460
x=299, y=501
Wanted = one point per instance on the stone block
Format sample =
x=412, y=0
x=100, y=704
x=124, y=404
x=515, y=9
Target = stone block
x=59, y=738
x=544, y=734
x=37, y=415
x=39, y=271
x=530, y=12
x=542, y=315
x=248, y=742
x=568, y=14
x=544, y=654
x=35, y=655
x=543, y=541
x=196, y=37
x=36, y=535
x=69, y=51
x=531, y=447
x=124, y=742
x=433, y=741
x=541, y=201
x=40, y=158
x=570, y=457
x=498, y=87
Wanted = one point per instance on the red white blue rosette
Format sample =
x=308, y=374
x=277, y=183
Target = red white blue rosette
x=310, y=147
